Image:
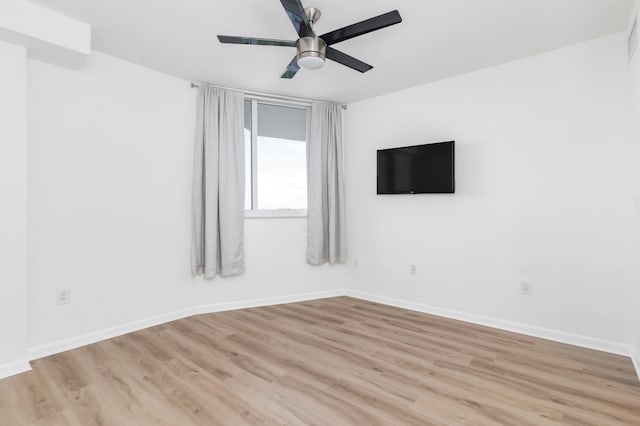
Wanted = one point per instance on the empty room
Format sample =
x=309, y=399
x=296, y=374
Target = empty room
x=297, y=212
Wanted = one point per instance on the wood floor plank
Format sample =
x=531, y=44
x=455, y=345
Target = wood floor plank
x=338, y=361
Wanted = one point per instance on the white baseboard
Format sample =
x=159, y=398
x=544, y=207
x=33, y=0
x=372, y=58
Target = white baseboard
x=635, y=358
x=108, y=333
x=93, y=337
x=530, y=330
x=269, y=301
x=14, y=368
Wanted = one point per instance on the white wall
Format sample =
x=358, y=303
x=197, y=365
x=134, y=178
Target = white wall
x=110, y=162
x=634, y=81
x=542, y=193
x=13, y=207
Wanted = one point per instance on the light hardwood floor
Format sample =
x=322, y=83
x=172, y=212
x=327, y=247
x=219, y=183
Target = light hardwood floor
x=326, y=362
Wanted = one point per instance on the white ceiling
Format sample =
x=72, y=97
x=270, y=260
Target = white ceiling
x=437, y=38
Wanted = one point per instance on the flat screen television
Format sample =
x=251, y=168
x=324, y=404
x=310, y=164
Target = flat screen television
x=419, y=169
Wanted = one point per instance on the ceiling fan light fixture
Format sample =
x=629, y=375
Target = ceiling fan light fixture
x=311, y=52
x=310, y=61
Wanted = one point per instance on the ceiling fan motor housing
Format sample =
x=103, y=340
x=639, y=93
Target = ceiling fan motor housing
x=311, y=52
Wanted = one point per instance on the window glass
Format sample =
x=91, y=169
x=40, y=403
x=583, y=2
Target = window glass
x=281, y=162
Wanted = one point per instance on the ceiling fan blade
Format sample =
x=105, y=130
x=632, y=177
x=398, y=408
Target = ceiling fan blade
x=256, y=41
x=363, y=27
x=296, y=13
x=346, y=60
x=292, y=69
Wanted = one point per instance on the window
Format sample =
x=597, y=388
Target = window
x=275, y=158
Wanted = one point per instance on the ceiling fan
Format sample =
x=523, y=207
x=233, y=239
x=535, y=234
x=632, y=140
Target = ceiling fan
x=312, y=49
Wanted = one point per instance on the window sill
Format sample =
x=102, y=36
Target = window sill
x=276, y=214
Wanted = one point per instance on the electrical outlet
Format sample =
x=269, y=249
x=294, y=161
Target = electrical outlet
x=526, y=287
x=413, y=269
x=64, y=296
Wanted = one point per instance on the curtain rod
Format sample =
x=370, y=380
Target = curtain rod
x=262, y=94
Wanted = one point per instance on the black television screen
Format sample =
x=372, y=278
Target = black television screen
x=420, y=169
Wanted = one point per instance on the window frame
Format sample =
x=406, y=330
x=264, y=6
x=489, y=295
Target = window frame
x=255, y=213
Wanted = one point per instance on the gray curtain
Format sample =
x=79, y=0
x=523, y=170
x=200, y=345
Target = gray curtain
x=326, y=235
x=218, y=184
